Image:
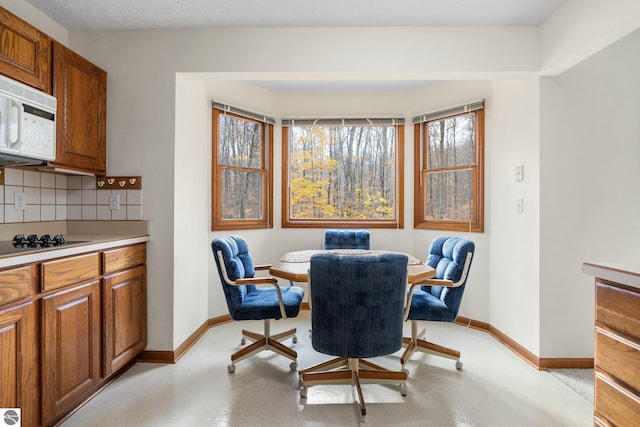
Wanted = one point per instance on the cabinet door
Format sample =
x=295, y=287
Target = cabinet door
x=25, y=52
x=81, y=90
x=71, y=335
x=125, y=317
x=19, y=362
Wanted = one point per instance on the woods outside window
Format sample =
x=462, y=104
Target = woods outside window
x=343, y=173
x=449, y=163
x=242, y=169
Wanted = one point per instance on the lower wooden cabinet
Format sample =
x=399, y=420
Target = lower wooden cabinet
x=617, y=355
x=125, y=317
x=71, y=343
x=66, y=330
x=19, y=380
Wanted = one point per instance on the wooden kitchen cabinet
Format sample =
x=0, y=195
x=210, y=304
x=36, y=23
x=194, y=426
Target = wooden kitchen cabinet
x=124, y=304
x=617, y=344
x=66, y=325
x=125, y=317
x=71, y=345
x=19, y=373
x=81, y=90
x=25, y=52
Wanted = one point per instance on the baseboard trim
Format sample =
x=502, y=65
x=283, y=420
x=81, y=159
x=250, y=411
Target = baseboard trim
x=171, y=357
x=541, y=364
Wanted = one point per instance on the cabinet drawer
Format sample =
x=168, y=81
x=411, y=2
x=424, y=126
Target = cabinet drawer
x=618, y=356
x=615, y=403
x=618, y=309
x=122, y=258
x=15, y=284
x=63, y=272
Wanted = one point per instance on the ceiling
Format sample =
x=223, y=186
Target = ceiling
x=138, y=14
x=145, y=14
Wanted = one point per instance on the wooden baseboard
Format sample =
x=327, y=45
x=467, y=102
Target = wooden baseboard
x=541, y=364
x=151, y=356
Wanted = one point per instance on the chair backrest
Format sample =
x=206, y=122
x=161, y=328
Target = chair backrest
x=357, y=303
x=451, y=257
x=346, y=239
x=232, y=258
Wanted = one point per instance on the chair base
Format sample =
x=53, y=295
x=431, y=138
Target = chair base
x=352, y=371
x=265, y=341
x=417, y=343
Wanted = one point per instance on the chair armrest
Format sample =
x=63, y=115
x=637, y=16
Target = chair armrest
x=265, y=281
x=262, y=267
x=407, y=306
x=438, y=282
x=257, y=281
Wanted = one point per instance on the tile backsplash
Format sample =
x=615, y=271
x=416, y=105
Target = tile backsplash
x=53, y=197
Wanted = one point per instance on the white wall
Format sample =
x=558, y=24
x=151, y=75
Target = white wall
x=590, y=198
x=514, y=295
x=144, y=132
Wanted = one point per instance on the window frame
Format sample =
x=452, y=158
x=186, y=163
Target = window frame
x=398, y=222
x=421, y=169
x=266, y=168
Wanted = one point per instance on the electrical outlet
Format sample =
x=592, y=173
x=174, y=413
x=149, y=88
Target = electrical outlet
x=19, y=201
x=114, y=201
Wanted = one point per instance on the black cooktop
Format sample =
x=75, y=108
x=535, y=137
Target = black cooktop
x=33, y=243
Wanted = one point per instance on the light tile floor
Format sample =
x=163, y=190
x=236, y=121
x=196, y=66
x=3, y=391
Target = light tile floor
x=495, y=388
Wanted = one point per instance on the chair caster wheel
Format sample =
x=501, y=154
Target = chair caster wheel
x=243, y=341
x=295, y=339
x=459, y=365
x=231, y=368
x=293, y=366
x=303, y=392
x=403, y=389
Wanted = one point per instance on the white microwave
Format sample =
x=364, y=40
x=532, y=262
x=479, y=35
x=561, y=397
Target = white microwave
x=27, y=124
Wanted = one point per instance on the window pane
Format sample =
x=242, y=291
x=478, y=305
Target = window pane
x=342, y=172
x=452, y=142
x=241, y=194
x=240, y=142
x=449, y=196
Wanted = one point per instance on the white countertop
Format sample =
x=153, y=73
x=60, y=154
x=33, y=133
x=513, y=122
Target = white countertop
x=618, y=272
x=94, y=243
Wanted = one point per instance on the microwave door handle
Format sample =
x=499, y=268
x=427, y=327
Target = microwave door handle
x=18, y=107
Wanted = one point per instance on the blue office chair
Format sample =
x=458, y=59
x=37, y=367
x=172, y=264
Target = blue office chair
x=357, y=307
x=438, y=299
x=346, y=239
x=247, y=301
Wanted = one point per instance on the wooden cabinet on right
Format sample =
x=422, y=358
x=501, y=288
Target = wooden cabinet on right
x=25, y=52
x=124, y=305
x=81, y=90
x=617, y=354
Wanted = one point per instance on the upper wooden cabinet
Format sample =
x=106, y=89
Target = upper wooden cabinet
x=25, y=52
x=81, y=125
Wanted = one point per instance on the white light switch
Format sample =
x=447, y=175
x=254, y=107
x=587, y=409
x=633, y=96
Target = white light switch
x=114, y=201
x=519, y=172
x=519, y=205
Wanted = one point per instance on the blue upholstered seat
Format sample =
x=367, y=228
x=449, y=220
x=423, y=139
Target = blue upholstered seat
x=357, y=312
x=346, y=239
x=439, y=298
x=254, y=298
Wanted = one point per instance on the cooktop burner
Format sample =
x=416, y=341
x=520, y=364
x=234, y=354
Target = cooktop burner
x=32, y=242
